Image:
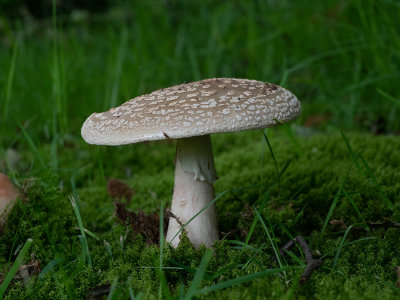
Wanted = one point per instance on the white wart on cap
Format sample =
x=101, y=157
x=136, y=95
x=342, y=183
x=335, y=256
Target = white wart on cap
x=190, y=112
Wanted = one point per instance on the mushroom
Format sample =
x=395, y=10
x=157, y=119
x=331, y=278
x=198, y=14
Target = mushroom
x=8, y=194
x=190, y=113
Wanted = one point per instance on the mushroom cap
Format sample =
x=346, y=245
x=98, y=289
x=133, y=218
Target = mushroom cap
x=192, y=109
x=8, y=194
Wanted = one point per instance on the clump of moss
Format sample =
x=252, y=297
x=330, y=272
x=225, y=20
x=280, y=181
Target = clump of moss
x=44, y=214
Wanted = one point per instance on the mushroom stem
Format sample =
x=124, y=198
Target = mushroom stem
x=193, y=190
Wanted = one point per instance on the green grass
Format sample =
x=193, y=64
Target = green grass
x=14, y=268
x=340, y=58
x=335, y=56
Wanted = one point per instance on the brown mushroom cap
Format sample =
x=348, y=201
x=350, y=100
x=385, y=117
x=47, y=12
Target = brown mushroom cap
x=192, y=109
x=8, y=194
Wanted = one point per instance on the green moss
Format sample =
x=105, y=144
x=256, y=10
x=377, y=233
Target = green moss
x=298, y=205
x=42, y=213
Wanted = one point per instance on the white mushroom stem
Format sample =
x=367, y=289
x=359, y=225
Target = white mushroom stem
x=193, y=190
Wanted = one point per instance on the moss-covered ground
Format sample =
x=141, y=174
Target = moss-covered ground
x=319, y=170
x=331, y=176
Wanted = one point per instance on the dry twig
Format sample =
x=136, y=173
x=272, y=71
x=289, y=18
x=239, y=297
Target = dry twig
x=312, y=264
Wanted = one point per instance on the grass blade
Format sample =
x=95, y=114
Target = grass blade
x=60, y=119
x=241, y=245
x=130, y=289
x=273, y=158
x=161, y=248
x=341, y=246
x=335, y=201
x=8, y=87
x=123, y=44
x=269, y=237
x=112, y=289
x=101, y=165
x=203, y=209
x=348, y=244
x=389, y=97
x=356, y=208
x=198, y=277
x=242, y=279
x=253, y=257
x=187, y=269
x=50, y=266
x=295, y=258
x=163, y=282
x=161, y=234
x=32, y=146
x=15, y=266
x=89, y=233
x=107, y=246
x=353, y=155
x=131, y=293
x=254, y=224
x=301, y=212
x=85, y=247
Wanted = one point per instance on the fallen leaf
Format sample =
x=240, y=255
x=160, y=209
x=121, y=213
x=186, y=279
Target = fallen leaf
x=117, y=189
